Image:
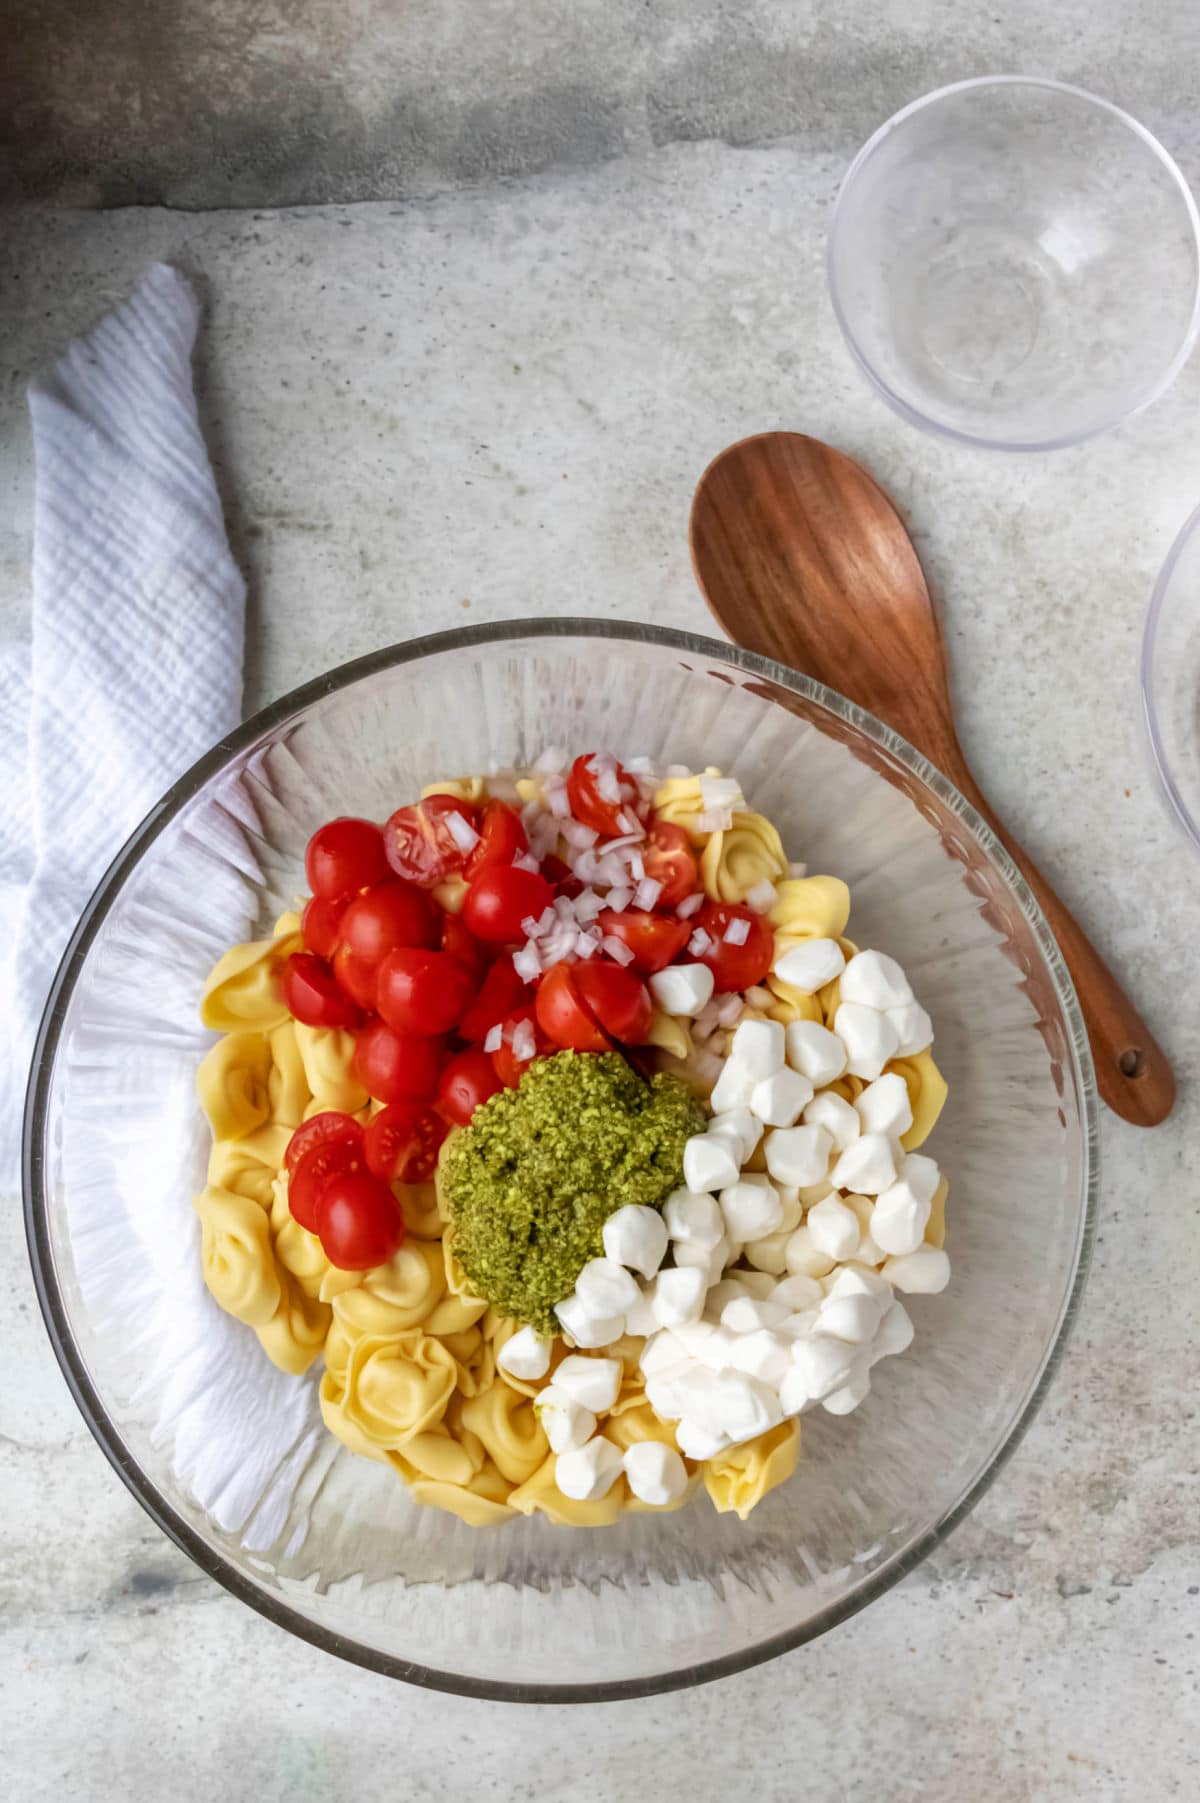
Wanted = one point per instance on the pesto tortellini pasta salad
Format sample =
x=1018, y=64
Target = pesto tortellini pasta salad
x=568, y=1136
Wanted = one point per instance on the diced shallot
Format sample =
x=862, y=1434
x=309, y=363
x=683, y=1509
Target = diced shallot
x=762, y=897
x=636, y=866
x=620, y=897
x=581, y=837
x=720, y=793
x=552, y=761
x=461, y=830
x=714, y=820
x=588, y=904
x=524, y=1042
x=603, y=767
x=678, y=770
x=528, y=962
x=494, y=1038
x=699, y=943
x=585, y=945
x=797, y=870
x=617, y=949
x=737, y=932
x=558, y=801
x=729, y=1010
x=691, y=904
x=646, y=893
x=525, y=860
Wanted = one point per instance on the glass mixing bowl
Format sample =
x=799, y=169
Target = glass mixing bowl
x=229, y=1455
x=1171, y=679
x=1016, y=263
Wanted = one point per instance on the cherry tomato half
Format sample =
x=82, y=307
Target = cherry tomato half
x=419, y=844
x=355, y=978
x=590, y=807
x=563, y=1015
x=501, y=994
x=500, y=898
x=401, y=1144
x=619, y=1001
x=320, y=924
x=465, y=1084
x=344, y=855
x=306, y=1184
x=358, y=1220
x=509, y=1068
x=464, y=946
x=390, y=915
x=328, y=1125
x=397, y=1067
x=418, y=991
x=501, y=838
x=736, y=967
x=654, y=939
x=312, y=996
x=668, y=858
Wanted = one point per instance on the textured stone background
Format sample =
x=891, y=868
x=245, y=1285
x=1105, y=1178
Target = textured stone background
x=480, y=398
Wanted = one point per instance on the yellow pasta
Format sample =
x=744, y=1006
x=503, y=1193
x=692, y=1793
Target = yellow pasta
x=508, y=1426
x=295, y=1334
x=248, y=1165
x=243, y=989
x=397, y=1386
x=463, y=788
x=738, y=1479
x=740, y=859
x=669, y=1034
x=679, y=801
x=935, y=1227
x=927, y=1094
x=236, y=1255
x=327, y=1054
x=232, y=1084
x=287, y=1085
x=810, y=907
x=397, y=1296
x=540, y=1495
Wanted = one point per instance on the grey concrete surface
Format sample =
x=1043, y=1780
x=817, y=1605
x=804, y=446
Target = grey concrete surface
x=202, y=103
x=496, y=402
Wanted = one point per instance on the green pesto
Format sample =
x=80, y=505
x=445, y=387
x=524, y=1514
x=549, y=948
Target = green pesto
x=530, y=1183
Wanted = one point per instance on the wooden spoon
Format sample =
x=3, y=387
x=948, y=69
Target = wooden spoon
x=803, y=558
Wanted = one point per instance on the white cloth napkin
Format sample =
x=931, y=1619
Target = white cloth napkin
x=136, y=664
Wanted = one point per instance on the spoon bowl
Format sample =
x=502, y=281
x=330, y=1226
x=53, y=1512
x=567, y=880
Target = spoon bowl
x=802, y=557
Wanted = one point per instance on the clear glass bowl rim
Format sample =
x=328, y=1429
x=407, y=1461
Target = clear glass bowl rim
x=1154, y=617
x=37, y=1102
x=926, y=421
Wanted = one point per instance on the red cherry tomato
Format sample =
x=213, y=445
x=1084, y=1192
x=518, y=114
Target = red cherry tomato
x=654, y=939
x=668, y=858
x=501, y=839
x=618, y=1000
x=344, y=855
x=312, y=996
x=422, y=992
x=358, y=1220
x=465, y=1084
x=501, y=994
x=589, y=806
x=419, y=844
x=563, y=1015
x=464, y=946
x=307, y=1182
x=401, y=1143
x=355, y=978
x=736, y=966
x=500, y=898
x=320, y=924
x=328, y=1125
x=390, y=915
x=397, y=1067
x=509, y=1068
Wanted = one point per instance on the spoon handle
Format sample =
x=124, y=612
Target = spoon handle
x=1132, y=1072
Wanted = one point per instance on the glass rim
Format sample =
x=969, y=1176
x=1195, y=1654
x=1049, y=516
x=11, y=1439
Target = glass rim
x=1154, y=617
x=33, y=1159
x=927, y=421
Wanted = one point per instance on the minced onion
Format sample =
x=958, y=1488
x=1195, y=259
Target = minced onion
x=617, y=949
x=691, y=904
x=699, y=943
x=461, y=830
x=646, y=893
x=762, y=897
x=494, y=1038
x=737, y=932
